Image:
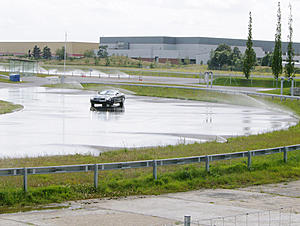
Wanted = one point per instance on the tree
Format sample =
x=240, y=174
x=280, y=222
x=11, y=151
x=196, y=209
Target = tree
x=235, y=58
x=236, y=53
x=220, y=57
x=107, y=61
x=96, y=60
x=223, y=47
x=250, y=56
x=290, y=66
x=36, y=52
x=223, y=57
x=60, y=53
x=277, y=55
x=102, y=53
x=89, y=53
x=186, y=61
x=267, y=60
x=47, y=53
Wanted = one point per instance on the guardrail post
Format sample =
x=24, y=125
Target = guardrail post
x=207, y=163
x=187, y=220
x=96, y=175
x=155, y=169
x=285, y=154
x=249, y=159
x=25, y=179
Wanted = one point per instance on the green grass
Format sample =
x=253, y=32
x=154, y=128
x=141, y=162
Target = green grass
x=7, y=107
x=201, y=95
x=225, y=174
x=160, y=74
x=286, y=91
x=252, y=82
x=8, y=81
x=269, y=169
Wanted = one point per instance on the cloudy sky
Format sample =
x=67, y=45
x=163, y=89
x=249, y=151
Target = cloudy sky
x=87, y=20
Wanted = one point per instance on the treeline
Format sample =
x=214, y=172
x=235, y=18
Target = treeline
x=225, y=58
x=46, y=53
x=37, y=53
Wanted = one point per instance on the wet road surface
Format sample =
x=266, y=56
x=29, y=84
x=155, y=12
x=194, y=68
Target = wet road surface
x=55, y=122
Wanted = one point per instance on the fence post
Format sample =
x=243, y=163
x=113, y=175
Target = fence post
x=155, y=169
x=249, y=159
x=207, y=163
x=285, y=154
x=25, y=180
x=187, y=220
x=96, y=175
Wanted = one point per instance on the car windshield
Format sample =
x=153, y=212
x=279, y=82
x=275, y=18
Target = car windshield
x=107, y=92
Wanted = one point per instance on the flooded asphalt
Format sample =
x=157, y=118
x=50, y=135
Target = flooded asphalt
x=58, y=122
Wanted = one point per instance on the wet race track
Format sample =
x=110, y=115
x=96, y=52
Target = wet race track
x=56, y=121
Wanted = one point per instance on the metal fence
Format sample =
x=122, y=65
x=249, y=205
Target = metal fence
x=280, y=217
x=25, y=172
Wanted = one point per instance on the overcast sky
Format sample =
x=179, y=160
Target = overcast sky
x=87, y=20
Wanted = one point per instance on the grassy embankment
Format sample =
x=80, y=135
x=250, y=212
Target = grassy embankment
x=252, y=82
x=7, y=107
x=228, y=174
x=6, y=80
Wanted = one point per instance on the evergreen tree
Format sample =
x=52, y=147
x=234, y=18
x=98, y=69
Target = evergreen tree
x=277, y=55
x=60, y=53
x=47, y=53
x=36, y=52
x=250, y=56
x=102, y=53
x=290, y=67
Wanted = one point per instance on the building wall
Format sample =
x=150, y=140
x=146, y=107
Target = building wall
x=198, y=52
x=194, y=48
x=21, y=48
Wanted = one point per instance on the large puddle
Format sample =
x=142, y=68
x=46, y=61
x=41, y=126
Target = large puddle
x=58, y=122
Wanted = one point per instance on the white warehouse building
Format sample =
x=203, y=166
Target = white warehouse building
x=175, y=49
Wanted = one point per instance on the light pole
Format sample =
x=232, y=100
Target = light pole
x=211, y=79
x=292, y=86
x=281, y=87
x=65, y=56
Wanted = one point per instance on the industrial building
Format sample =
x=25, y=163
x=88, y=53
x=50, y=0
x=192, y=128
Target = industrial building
x=175, y=49
x=74, y=49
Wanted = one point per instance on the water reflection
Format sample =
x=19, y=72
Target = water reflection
x=107, y=113
x=208, y=115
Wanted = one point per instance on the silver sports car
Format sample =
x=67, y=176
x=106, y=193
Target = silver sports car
x=108, y=98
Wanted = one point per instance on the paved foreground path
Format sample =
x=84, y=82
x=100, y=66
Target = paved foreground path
x=169, y=209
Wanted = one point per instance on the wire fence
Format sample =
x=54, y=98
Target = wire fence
x=276, y=217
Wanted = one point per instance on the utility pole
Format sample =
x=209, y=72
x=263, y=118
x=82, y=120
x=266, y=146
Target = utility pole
x=65, y=56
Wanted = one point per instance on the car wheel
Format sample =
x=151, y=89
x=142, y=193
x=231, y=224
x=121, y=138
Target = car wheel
x=122, y=103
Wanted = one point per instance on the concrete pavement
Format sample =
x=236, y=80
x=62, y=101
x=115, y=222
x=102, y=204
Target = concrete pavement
x=169, y=209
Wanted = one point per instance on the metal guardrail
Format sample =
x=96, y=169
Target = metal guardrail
x=25, y=172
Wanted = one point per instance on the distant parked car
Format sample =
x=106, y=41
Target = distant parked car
x=108, y=98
